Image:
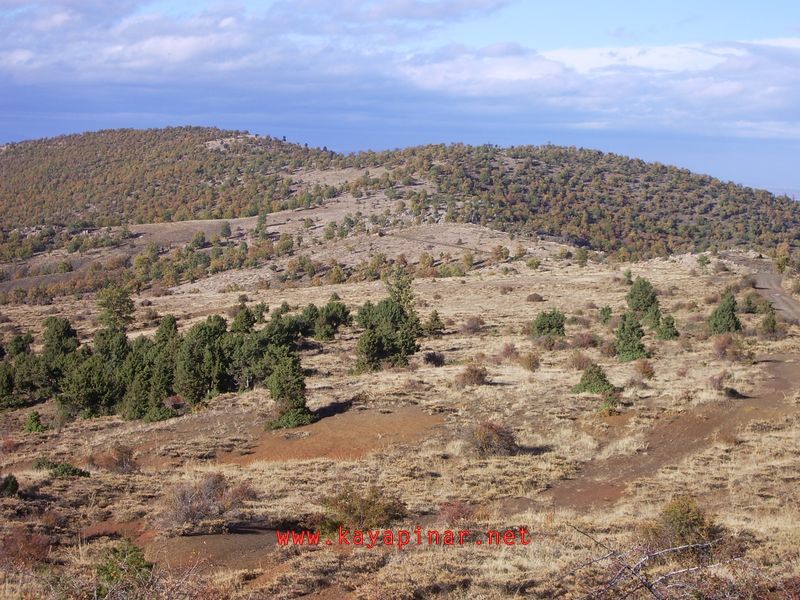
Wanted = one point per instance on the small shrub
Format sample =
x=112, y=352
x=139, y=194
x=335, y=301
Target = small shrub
x=434, y=325
x=769, y=324
x=717, y=382
x=681, y=523
x=548, y=323
x=666, y=329
x=534, y=297
x=578, y=361
x=8, y=486
x=505, y=289
x=456, y=514
x=609, y=407
x=8, y=445
x=584, y=340
x=471, y=375
x=291, y=418
x=211, y=497
x=33, y=424
x=24, y=549
x=118, y=459
x=722, y=345
x=608, y=348
x=122, y=569
x=493, y=439
x=507, y=352
x=435, y=359
x=59, y=470
x=472, y=325
x=529, y=361
x=372, y=509
x=533, y=263
x=551, y=342
x=594, y=381
x=645, y=369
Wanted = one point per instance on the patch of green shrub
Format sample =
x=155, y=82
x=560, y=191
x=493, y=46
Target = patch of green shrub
x=548, y=323
x=594, y=381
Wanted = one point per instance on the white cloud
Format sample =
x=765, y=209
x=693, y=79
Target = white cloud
x=740, y=87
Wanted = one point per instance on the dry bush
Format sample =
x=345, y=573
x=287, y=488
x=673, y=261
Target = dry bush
x=712, y=298
x=636, y=383
x=534, y=297
x=492, y=439
x=584, y=340
x=211, y=497
x=681, y=522
x=722, y=344
x=727, y=347
x=472, y=325
x=52, y=518
x=8, y=445
x=21, y=548
x=717, y=382
x=530, y=361
x=681, y=372
x=471, y=375
x=645, y=368
x=720, y=267
x=507, y=352
x=435, y=359
x=550, y=342
x=506, y=289
x=608, y=348
x=578, y=361
x=456, y=514
x=118, y=459
x=370, y=510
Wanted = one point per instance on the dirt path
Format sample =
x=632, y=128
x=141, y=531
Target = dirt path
x=675, y=438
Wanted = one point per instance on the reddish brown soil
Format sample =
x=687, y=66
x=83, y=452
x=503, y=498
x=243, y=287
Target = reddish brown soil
x=245, y=549
x=349, y=435
x=136, y=531
x=674, y=438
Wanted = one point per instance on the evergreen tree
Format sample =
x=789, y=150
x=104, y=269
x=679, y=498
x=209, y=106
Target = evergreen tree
x=769, y=324
x=629, y=339
x=287, y=387
x=90, y=387
x=244, y=320
x=724, y=318
x=201, y=365
x=116, y=306
x=642, y=296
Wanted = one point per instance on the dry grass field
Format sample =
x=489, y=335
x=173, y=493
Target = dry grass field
x=721, y=426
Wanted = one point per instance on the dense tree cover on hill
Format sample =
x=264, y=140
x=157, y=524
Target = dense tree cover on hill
x=143, y=176
x=605, y=201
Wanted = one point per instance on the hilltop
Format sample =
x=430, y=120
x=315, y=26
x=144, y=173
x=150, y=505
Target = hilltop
x=603, y=201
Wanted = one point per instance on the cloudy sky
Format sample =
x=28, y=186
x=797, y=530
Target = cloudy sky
x=708, y=84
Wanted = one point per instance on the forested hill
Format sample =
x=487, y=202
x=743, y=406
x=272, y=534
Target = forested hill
x=605, y=201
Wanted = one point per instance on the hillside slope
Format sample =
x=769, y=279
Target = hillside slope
x=606, y=201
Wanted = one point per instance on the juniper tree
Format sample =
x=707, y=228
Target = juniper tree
x=724, y=318
x=629, y=339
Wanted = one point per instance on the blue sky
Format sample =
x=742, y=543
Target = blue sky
x=709, y=85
